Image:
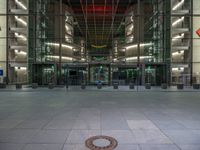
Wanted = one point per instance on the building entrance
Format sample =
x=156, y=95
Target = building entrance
x=155, y=74
x=125, y=75
x=99, y=73
x=74, y=75
x=43, y=74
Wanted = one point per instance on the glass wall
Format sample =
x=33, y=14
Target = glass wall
x=3, y=40
x=181, y=45
x=196, y=42
x=140, y=41
x=17, y=41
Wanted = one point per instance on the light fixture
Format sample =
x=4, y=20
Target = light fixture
x=57, y=44
x=131, y=28
x=66, y=27
x=58, y=57
x=20, y=52
x=66, y=18
x=141, y=57
x=141, y=45
x=20, y=36
x=132, y=20
x=178, y=53
x=178, y=37
x=178, y=69
x=21, y=20
x=67, y=38
x=21, y=4
x=67, y=46
x=178, y=21
x=20, y=68
x=178, y=5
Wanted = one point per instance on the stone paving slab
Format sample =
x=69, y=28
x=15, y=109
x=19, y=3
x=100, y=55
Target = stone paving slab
x=60, y=120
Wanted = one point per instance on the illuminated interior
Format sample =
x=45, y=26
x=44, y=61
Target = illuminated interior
x=87, y=41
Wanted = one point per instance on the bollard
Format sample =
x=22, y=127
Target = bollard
x=131, y=86
x=180, y=86
x=164, y=85
x=18, y=86
x=2, y=85
x=99, y=85
x=34, y=85
x=115, y=85
x=196, y=86
x=83, y=86
x=51, y=86
x=148, y=86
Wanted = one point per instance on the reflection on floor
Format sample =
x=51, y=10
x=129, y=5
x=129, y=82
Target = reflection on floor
x=53, y=120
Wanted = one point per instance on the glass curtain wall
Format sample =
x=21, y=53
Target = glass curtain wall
x=18, y=41
x=3, y=40
x=144, y=41
x=87, y=41
x=181, y=41
x=196, y=42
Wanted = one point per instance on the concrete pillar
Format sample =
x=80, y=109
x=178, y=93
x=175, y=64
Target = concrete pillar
x=3, y=39
x=196, y=42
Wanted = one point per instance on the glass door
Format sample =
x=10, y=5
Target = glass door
x=99, y=73
x=155, y=74
x=43, y=74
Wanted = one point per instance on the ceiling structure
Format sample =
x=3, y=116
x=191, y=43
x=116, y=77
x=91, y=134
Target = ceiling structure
x=100, y=21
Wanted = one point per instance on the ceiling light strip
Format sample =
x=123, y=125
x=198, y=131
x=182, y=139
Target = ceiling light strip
x=141, y=45
x=58, y=57
x=21, y=4
x=178, y=21
x=20, y=36
x=178, y=5
x=57, y=45
x=21, y=20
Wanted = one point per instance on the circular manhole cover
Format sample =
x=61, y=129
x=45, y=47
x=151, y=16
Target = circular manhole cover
x=101, y=143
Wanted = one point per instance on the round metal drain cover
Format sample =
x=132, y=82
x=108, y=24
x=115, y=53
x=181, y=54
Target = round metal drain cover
x=95, y=142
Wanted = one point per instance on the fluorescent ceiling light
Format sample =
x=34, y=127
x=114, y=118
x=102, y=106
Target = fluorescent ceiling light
x=178, y=5
x=132, y=20
x=21, y=20
x=66, y=18
x=141, y=57
x=66, y=27
x=132, y=46
x=67, y=46
x=20, y=68
x=178, y=37
x=21, y=4
x=178, y=53
x=178, y=21
x=20, y=52
x=131, y=28
x=53, y=44
x=178, y=69
x=141, y=45
x=58, y=57
x=57, y=44
x=20, y=36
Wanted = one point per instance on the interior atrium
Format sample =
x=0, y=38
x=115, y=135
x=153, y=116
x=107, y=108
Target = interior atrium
x=89, y=41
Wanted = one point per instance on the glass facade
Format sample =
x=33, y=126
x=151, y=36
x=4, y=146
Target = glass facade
x=87, y=41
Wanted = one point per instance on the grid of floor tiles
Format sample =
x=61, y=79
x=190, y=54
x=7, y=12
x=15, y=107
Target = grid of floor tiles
x=58, y=120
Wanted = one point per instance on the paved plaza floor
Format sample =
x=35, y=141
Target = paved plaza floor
x=63, y=120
